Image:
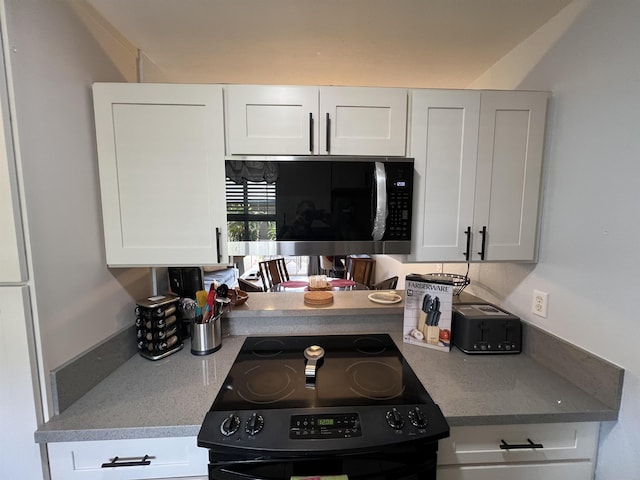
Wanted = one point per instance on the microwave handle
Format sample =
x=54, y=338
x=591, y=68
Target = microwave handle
x=379, y=201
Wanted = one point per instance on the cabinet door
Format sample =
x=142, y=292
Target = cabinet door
x=12, y=256
x=546, y=471
x=444, y=126
x=167, y=458
x=510, y=149
x=271, y=120
x=567, y=452
x=363, y=121
x=161, y=159
x=19, y=400
x=481, y=444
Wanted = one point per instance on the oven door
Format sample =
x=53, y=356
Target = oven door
x=416, y=461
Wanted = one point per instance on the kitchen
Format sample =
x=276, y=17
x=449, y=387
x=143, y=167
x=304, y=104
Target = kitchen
x=582, y=247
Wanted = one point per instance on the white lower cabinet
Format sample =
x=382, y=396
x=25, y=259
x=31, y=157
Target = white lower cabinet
x=547, y=471
x=566, y=451
x=168, y=458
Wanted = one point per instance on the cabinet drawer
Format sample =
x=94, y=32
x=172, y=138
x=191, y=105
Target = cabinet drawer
x=168, y=458
x=481, y=444
x=546, y=471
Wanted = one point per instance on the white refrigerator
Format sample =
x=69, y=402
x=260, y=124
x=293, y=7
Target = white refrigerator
x=20, y=400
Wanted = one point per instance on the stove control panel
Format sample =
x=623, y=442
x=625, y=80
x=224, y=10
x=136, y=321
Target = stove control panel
x=343, y=425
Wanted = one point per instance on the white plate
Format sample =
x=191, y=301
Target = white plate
x=385, y=297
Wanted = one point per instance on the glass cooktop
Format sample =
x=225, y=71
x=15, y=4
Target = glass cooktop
x=356, y=370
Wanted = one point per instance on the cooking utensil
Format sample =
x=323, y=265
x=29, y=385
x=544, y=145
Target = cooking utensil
x=222, y=291
x=314, y=355
x=201, y=298
x=211, y=298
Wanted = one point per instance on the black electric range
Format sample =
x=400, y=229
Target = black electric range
x=298, y=401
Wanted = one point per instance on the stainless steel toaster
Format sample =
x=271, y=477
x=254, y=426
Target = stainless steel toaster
x=483, y=328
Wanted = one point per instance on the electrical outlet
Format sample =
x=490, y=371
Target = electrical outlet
x=540, y=303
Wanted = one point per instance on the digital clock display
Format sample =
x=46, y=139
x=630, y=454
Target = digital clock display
x=341, y=425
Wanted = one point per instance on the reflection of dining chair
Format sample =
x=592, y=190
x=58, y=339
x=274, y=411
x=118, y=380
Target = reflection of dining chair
x=273, y=272
x=248, y=286
x=387, y=284
x=332, y=266
x=360, y=269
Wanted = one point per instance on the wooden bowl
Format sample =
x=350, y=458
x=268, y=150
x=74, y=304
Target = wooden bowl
x=239, y=297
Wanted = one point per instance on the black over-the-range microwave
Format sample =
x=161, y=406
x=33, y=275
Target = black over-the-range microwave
x=319, y=205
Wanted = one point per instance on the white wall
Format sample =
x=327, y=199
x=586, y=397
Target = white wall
x=589, y=257
x=53, y=62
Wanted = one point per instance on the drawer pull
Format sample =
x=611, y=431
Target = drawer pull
x=505, y=446
x=127, y=462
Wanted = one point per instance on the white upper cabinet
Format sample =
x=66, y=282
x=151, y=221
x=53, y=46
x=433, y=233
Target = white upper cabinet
x=363, y=121
x=161, y=162
x=284, y=120
x=271, y=120
x=478, y=165
x=443, y=141
x=510, y=150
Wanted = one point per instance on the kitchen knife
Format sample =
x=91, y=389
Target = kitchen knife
x=436, y=312
x=432, y=332
x=422, y=317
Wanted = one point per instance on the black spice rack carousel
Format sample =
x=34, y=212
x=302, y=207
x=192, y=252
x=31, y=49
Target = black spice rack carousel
x=158, y=326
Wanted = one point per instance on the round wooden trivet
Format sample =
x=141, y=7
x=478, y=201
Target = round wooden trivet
x=318, y=298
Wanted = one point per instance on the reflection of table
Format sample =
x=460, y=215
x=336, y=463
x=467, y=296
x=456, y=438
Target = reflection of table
x=302, y=285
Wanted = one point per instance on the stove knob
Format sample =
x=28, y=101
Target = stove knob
x=230, y=425
x=254, y=424
x=394, y=419
x=417, y=418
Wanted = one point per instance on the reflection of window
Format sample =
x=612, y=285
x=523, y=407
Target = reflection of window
x=251, y=210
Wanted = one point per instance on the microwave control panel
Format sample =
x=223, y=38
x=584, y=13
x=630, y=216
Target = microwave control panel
x=399, y=193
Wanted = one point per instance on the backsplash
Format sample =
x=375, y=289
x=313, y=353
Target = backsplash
x=76, y=377
x=601, y=379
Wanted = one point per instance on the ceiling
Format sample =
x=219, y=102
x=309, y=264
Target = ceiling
x=428, y=43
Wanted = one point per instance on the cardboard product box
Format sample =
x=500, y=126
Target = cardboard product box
x=428, y=311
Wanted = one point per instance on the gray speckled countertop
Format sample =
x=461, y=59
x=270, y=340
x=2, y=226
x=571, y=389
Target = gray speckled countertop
x=292, y=304
x=170, y=397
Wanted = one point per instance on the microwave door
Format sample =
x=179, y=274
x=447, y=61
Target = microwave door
x=379, y=199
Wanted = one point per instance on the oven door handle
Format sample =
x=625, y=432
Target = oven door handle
x=379, y=201
x=221, y=474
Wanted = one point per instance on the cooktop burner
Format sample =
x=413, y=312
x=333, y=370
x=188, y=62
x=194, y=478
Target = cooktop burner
x=355, y=370
x=283, y=391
